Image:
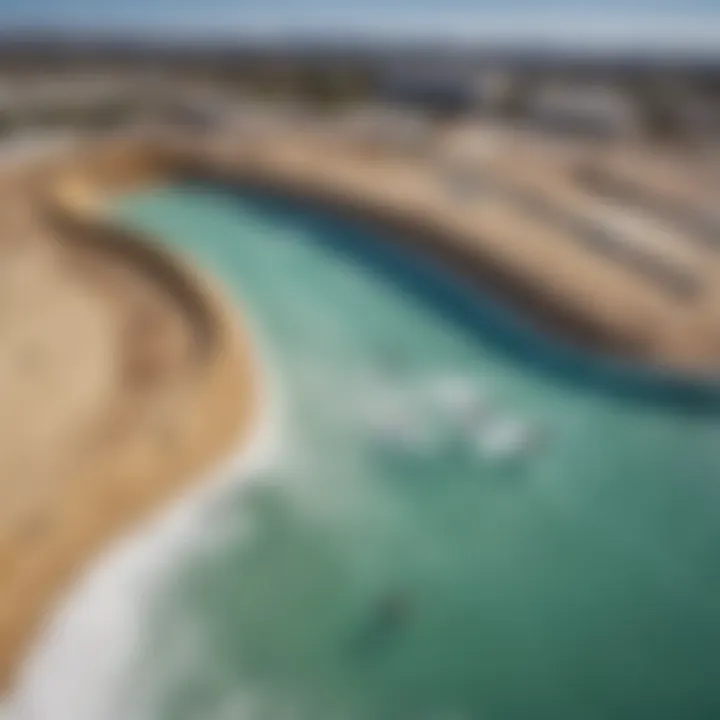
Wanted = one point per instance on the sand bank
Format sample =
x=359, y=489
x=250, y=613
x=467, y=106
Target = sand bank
x=148, y=381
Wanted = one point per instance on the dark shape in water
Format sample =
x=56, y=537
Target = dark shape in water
x=388, y=617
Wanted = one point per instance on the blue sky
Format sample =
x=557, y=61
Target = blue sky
x=678, y=23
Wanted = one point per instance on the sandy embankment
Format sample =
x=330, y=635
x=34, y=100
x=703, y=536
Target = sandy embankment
x=542, y=268
x=146, y=381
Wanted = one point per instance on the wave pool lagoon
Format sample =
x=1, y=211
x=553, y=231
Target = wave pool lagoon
x=464, y=520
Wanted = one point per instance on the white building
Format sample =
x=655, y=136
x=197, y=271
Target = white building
x=582, y=109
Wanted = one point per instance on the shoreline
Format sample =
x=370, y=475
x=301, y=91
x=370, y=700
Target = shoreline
x=213, y=407
x=582, y=363
x=607, y=346
x=127, y=573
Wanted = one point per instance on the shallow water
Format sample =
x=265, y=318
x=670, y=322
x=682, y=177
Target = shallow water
x=370, y=579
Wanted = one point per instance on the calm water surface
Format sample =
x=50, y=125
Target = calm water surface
x=369, y=580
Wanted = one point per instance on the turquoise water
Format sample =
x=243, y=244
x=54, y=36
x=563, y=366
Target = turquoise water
x=367, y=579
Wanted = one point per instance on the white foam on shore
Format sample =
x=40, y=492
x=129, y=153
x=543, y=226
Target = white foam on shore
x=79, y=667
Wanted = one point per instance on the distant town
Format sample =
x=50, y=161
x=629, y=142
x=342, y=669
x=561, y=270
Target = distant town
x=100, y=84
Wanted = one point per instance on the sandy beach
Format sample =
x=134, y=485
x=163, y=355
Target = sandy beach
x=124, y=375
